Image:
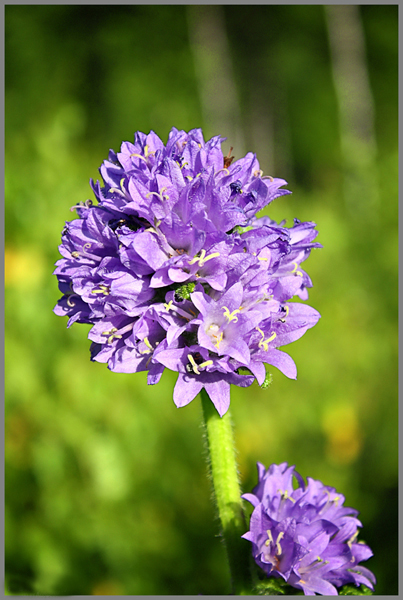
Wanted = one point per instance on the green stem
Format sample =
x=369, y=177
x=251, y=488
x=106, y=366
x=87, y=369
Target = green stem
x=228, y=494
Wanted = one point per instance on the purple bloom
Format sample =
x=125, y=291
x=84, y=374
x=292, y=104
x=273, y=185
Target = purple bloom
x=305, y=535
x=173, y=268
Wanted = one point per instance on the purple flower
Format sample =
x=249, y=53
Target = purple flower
x=305, y=535
x=173, y=268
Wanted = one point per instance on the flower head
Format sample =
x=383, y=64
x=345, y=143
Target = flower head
x=173, y=268
x=305, y=535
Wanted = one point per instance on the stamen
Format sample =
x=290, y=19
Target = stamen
x=270, y=538
x=76, y=254
x=178, y=310
x=117, y=191
x=206, y=364
x=265, y=343
x=261, y=258
x=202, y=259
x=295, y=269
x=268, y=177
x=219, y=340
x=87, y=204
x=139, y=156
x=159, y=195
x=147, y=343
x=328, y=502
x=194, y=365
x=352, y=539
x=285, y=495
x=117, y=333
x=198, y=258
x=224, y=169
x=112, y=334
x=279, y=537
x=103, y=289
x=258, y=173
x=149, y=347
x=69, y=302
x=110, y=331
x=231, y=316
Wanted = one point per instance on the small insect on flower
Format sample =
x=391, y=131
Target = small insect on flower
x=228, y=159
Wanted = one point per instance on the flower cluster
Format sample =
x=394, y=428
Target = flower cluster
x=306, y=535
x=173, y=269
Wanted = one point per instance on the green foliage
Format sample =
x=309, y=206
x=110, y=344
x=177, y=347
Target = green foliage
x=106, y=488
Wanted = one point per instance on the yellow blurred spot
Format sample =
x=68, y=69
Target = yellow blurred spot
x=17, y=440
x=107, y=588
x=23, y=267
x=342, y=429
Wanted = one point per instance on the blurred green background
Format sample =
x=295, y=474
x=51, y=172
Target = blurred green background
x=106, y=487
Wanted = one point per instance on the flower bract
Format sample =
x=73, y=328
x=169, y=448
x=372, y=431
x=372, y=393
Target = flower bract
x=173, y=269
x=305, y=535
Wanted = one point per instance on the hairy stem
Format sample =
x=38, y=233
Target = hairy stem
x=228, y=494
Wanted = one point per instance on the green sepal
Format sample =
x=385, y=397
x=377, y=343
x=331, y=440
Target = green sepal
x=275, y=587
x=267, y=381
x=242, y=230
x=185, y=290
x=353, y=590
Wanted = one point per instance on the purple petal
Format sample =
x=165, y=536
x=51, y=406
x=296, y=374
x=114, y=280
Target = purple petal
x=186, y=389
x=219, y=393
